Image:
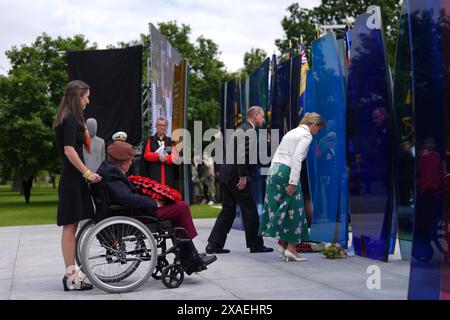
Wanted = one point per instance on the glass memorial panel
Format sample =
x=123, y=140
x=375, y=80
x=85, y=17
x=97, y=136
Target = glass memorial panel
x=429, y=30
x=326, y=156
x=369, y=139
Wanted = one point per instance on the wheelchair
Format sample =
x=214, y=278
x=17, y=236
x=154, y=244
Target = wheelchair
x=119, y=250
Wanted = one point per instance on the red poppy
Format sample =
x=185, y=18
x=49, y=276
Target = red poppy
x=155, y=189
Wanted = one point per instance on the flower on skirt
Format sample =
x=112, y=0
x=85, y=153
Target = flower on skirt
x=291, y=214
x=271, y=215
x=298, y=230
x=283, y=215
x=277, y=197
x=298, y=197
x=285, y=230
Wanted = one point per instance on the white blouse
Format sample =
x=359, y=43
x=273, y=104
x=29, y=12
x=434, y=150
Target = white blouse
x=292, y=151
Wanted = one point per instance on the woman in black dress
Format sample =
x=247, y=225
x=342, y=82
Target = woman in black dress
x=75, y=202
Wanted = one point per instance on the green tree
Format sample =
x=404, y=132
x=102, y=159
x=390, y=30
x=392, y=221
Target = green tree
x=303, y=21
x=252, y=60
x=207, y=73
x=299, y=23
x=30, y=95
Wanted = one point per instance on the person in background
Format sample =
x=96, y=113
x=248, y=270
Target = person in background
x=159, y=155
x=196, y=187
x=236, y=190
x=122, y=136
x=119, y=136
x=209, y=178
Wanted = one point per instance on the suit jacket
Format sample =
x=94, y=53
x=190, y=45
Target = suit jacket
x=121, y=190
x=230, y=173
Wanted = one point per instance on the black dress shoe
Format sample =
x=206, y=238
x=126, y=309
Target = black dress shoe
x=260, y=248
x=208, y=259
x=198, y=264
x=212, y=248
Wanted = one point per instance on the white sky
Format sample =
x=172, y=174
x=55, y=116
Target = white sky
x=235, y=25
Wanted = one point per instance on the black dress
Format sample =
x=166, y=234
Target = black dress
x=75, y=202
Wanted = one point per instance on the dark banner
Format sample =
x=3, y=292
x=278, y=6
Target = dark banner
x=115, y=79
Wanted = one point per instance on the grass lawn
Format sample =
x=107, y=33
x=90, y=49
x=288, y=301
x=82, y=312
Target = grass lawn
x=43, y=203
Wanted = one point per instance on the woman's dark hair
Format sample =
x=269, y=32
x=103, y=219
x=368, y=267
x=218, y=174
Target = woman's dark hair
x=71, y=102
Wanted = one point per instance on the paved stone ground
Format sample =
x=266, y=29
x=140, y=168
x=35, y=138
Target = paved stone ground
x=31, y=267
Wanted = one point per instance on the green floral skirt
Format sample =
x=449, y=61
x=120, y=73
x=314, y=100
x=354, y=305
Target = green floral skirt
x=283, y=216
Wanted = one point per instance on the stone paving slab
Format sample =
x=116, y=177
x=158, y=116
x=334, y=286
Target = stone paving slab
x=31, y=267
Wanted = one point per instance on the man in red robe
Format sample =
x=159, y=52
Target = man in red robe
x=159, y=155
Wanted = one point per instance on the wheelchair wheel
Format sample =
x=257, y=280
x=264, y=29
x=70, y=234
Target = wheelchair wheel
x=162, y=263
x=119, y=254
x=81, y=236
x=172, y=276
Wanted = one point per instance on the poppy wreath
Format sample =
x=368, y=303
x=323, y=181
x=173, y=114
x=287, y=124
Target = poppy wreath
x=301, y=247
x=154, y=189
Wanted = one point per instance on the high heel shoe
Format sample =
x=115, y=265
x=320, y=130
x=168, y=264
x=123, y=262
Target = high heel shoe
x=69, y=285
x=290, y=256
x=281, y=250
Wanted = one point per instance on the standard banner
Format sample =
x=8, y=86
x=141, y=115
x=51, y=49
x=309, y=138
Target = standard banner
x=179, y=96
x=179, y=121
x=285, y=96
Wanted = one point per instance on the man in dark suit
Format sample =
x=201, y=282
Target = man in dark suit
x=236, y=189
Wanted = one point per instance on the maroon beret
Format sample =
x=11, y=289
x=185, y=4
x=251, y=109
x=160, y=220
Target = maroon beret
x=120, y=150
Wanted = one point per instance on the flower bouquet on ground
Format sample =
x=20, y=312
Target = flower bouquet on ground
x=334, y=251
x=303, y=247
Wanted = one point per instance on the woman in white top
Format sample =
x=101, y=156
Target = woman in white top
x=284, y=217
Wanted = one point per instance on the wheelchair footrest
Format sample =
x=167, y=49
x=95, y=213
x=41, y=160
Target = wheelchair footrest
x=184, y=240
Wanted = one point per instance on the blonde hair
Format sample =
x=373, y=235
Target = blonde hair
x=311, y=118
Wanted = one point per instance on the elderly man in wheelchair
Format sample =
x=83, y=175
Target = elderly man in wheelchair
x=128, y=241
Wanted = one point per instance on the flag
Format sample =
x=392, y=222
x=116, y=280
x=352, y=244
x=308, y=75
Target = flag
x=303, y=72
x=290, y=54
x=272, y=90
x=348, y=42
x=237, y=104
x=408, y=129
x=317, y=32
